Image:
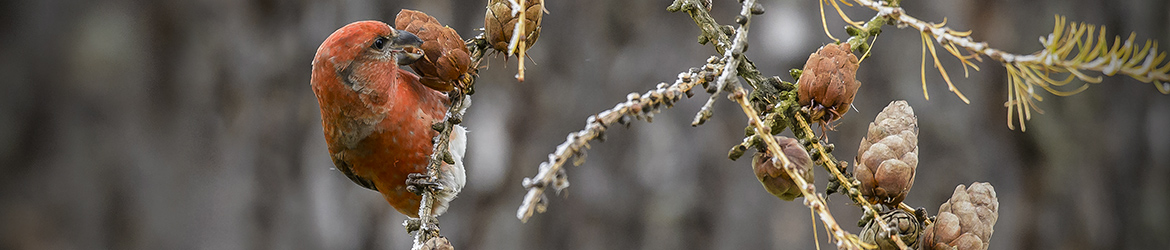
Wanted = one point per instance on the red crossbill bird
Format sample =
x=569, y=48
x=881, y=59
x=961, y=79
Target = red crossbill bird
x=446, y=61
x=377, y=117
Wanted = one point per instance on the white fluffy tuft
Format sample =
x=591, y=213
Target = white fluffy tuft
x=452, y=177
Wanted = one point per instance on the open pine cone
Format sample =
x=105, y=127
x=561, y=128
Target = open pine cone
x=499, y=23
x=828, y=82
x=446, y=61
x=965, y=221
x=888, y=155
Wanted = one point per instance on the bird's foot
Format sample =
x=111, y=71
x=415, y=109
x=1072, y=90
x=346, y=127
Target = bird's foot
x=418, y=183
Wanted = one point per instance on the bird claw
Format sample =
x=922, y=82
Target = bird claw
x=414, y=225
x=418, y=183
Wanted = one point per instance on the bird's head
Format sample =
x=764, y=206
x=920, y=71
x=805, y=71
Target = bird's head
x=356, y=67
x=362, y=51
x=362, y=56
x=368, y=41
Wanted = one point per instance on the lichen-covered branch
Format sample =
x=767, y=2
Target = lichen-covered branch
x=636, y=106
x=720, y=37
x=729, y=57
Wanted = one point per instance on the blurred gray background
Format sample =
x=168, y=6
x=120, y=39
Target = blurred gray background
x=191, y=125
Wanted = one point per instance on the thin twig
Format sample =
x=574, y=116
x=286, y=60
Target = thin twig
x=942, y=33
x=729, y=57
x=639, y=106
x=517, y=34
x=518, y=44
x=713, y=33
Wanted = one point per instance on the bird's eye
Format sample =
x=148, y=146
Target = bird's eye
x=379, y=43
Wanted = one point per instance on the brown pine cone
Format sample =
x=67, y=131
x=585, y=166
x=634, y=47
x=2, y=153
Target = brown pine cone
x=908, y=228
x=965, y=221
x=888, y=155
x=446, y=61
x=499, y=23
x=775, y=180
x=828, y=82
x=438, y=243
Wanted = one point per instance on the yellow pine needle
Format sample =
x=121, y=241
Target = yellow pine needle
x=1066, y=47
x=1165, y=67
x=1138, y=56
x=1084, y=77
x=1148, y=54
x=1032, y=77
x=1014, y=101
x=943, y=71
x=816, y=238
x=842, y=13
x=1083, y=46
x=959, y=33
x=922, y=67
x=1048, y=80
x=1023, y=106
x=1102, y=46
x=950, y=47
x=939, y=25
x=824, y=23
x=1058, y=28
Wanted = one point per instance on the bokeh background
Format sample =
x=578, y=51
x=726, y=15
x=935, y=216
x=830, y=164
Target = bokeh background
x=191, y=125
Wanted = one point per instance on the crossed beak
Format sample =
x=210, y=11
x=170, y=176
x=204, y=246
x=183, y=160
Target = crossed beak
x=406, y=47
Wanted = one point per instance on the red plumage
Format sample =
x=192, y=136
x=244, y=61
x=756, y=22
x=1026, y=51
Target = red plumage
x=375, y=116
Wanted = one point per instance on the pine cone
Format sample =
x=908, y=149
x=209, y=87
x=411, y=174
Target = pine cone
x=965, y=221
x=828, y=82
x=888, y=156
x=446, y=61
x=499, y=23
x=908, y=228
x=775, y=180
x=438, y=243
